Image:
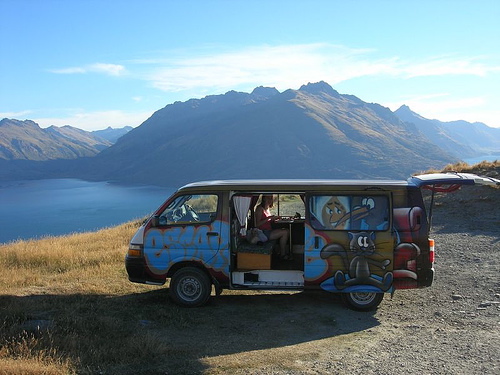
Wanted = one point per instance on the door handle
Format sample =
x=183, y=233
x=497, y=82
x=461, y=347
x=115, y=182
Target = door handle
x=212, y=234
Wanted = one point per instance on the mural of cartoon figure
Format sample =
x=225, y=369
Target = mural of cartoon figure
x=337, y=212
x=334, y=213
x=407, y=226
x=362, y=245
x=373, y=213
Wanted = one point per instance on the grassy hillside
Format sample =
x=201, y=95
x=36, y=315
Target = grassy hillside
x=25, y=140
x=66, y=306
x=485, y=168
x=61, y=285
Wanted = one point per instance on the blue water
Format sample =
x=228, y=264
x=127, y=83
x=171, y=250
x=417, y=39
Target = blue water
x=479, y=159
x=33, y=209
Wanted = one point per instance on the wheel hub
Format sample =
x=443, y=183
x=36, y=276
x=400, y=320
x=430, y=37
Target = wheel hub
x=189, y=288
x=363, y=297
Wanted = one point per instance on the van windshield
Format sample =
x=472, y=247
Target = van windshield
x=187, y=209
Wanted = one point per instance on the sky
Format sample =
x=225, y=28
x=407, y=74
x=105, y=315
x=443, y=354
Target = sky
x=93, y=64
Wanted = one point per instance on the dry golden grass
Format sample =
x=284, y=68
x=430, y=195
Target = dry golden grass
x=20, y=357
x=84, y=262
x=59, y=279
x=484, y=166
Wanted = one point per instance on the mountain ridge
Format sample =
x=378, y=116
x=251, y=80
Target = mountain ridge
x=460, y=138
x=25, y=140
x=312, y=132
x=112, y=134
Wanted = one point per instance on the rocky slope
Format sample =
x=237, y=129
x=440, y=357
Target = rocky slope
x=25, y=140
x=313, y=132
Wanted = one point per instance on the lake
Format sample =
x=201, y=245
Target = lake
x=482, y=158
x=32, y=209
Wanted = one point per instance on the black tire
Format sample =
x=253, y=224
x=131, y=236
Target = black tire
x=190, y=287
x=362, y=301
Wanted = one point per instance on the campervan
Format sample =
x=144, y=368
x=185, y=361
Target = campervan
x=359, y=238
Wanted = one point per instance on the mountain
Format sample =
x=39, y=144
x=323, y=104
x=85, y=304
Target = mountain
x=25, y=140
x=313, y=132
x=111, y=134
x=460, y=138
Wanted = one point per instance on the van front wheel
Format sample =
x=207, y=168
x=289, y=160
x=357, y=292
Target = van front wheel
x=362, y=301
x=190, y=287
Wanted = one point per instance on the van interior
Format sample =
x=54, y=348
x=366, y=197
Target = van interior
x=259, y=264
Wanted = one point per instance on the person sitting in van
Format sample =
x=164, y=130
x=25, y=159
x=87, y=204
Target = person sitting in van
x=263, y=221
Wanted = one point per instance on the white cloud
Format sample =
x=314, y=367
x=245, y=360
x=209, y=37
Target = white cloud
x=447, y=65
x=289, y=66
x=15, y=115
x=445, y=107
x=108, y=69
x=96, y=120
x=73, y=70
x=280, y=66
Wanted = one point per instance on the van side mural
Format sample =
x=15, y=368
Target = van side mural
x=164, y=247
x=343, y=212
x=407, y=225
x=350, y=222
x=362, y=245
x=334, y=212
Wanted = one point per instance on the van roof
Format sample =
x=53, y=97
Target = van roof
x=290, y=184
x=451, y=178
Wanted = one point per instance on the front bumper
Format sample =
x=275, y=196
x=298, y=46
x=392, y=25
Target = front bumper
x=136, y=270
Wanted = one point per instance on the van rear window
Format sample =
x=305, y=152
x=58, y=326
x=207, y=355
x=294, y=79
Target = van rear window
x=349, y=212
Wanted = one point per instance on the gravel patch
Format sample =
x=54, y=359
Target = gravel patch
x=453, y=327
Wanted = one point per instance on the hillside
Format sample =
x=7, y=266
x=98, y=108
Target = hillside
x=460, y=138
x=25, y=140
x=313, y=132
x=112, y=134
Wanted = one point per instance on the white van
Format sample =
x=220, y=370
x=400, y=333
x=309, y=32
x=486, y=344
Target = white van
x=355, y=237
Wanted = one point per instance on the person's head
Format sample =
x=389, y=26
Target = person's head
x=267, y=201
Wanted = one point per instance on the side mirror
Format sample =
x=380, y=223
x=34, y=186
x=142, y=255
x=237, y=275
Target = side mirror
x=155, y=221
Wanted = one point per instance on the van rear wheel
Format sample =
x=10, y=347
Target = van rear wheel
x=362, y=301
x=190, y=287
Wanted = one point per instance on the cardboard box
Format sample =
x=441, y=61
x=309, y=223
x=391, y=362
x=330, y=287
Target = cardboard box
x=253, y=261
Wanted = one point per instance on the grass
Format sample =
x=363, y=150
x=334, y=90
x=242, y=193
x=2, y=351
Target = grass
x=484, y=167
x=63, y=282
x=83, y=262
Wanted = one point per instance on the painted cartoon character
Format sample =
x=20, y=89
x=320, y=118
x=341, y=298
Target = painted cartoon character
x=362, y=245
x=373, y=213
x=337, y=212
x=334, y=212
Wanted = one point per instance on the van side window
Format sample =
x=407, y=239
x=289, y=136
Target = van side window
x=291, y=205
x=349, y=212
x=190, y=209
